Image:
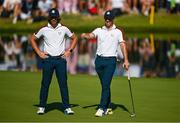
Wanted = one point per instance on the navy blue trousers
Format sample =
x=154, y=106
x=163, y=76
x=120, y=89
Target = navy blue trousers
x=105, y=67
x=59, y=65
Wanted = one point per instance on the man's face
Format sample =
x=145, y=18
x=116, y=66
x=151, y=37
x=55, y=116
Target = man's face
x=108, y=23
x=54, y=22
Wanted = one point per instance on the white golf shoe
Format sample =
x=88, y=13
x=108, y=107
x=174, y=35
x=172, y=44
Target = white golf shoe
x=41, y=110
x=99, y=113
x=68, y=111
x=108, y=111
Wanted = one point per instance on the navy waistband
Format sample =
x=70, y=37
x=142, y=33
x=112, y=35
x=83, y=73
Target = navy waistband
x=59, y=56
x=105, y=57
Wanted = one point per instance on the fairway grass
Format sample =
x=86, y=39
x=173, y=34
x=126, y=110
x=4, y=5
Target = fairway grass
x=156, y=99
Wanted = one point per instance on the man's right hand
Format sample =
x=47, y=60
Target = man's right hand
x=126, y=64
x=43, y=55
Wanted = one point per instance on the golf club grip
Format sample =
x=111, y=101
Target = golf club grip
x=128, y=74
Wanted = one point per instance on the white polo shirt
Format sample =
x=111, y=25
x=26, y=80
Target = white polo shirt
x=54, y=38
x=108, y=41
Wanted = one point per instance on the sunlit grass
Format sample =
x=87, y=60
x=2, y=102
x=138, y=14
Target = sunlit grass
x=156, y=99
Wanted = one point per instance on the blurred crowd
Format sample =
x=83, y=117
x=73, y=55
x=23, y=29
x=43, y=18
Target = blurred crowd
x=148, y=57
x=36, y=10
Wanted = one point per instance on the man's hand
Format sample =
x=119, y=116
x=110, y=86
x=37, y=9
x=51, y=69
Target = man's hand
x=43, y=55
x=126, y=65
x=66, y=54
x=87, y=35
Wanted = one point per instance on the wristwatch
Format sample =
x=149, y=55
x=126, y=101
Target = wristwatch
x=71, y=50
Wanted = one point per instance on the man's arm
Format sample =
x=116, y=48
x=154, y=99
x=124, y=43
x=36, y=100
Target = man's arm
x=41, y=54
x=73, y=42
x=87, y=35
x=125, y=54
x=72, y=46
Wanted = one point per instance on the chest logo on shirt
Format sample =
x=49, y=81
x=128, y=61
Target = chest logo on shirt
x=59, y=33
x=112, y=35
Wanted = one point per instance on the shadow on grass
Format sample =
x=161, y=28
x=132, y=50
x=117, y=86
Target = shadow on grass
x=112, y=105
x=56, y=106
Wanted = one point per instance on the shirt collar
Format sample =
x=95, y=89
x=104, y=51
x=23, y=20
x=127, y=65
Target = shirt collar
x=113, y=27
x=49, y=25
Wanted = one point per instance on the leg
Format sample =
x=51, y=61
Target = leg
x=46, y=79
x=61, y=74
x=99, y=68
x=17, y=10
x=106, y=83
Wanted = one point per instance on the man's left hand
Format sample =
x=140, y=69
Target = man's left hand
x=66, y=54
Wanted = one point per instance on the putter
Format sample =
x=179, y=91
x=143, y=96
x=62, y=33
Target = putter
x=133, y=113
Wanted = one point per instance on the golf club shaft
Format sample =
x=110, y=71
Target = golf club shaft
x=131, y=92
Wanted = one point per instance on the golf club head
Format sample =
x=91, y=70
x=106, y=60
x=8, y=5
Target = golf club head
x=133, y=115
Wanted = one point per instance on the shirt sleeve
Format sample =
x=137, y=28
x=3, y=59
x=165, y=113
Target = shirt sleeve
x=39, y=33
x=68, y=32
x=95, y=32
x=120, y=37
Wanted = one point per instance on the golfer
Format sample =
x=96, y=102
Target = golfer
x=108, y=39
x=53, y=55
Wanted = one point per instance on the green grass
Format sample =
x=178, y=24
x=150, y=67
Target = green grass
x=156, y=99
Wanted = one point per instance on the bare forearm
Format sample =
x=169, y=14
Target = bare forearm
x=125, y=54
x=87, y=35
x=34, y=44
x=73, y=42
x=124, y=51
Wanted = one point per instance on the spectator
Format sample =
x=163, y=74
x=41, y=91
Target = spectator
x=1, y=51
x=177, y=6
x=1, y=6
x=161, y=49
x=26, y=10
x=170, y=6
x=119, y=7
x=83, y=6
x=146, y=6
x=147, y=59
x=30, y=62
x=134, y=5
x=44, y=6
x=83, y=57
x=54, y=4
x=68, y=6
x=60, y=6
x=134, y=56
x=12, y=6
x=173, y=65
x=93, y=7
x=103, y=5
x=74, y=6
x=9, y=57
x=17, y=51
